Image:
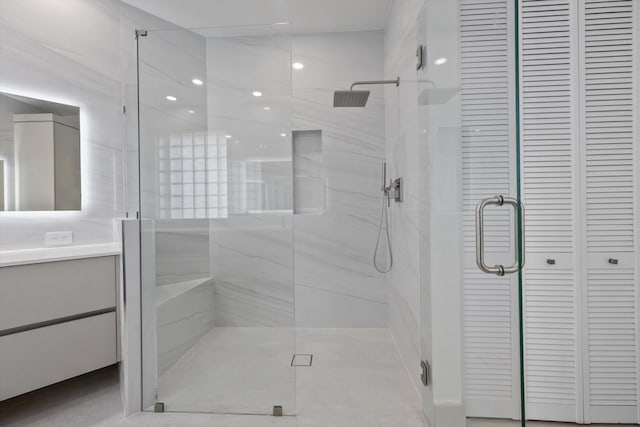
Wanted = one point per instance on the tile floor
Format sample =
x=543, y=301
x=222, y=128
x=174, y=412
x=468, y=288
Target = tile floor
x=233, y=371
x=241, y=370
x=508, y=423
x=357, y=380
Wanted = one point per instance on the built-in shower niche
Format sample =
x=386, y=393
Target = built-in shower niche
x=308, y=175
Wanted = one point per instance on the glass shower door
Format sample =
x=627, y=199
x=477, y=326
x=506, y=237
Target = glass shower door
x=467, y=94
x=217, y=231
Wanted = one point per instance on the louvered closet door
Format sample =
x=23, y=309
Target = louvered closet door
x=610, y=298
x=491, y=330
x=578, y=71
x=550, y=158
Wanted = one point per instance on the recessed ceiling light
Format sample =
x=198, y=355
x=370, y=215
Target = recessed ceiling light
x=257, y=93
x=228, y=136
x=267, y=108
x=197, y=82
x=440, y=61
x=283, y=134
x=171, y=98
x=298, y=65
x=191, y=111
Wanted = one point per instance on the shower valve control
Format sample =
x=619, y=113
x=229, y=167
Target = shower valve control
x=394, y=191
x=397, y=187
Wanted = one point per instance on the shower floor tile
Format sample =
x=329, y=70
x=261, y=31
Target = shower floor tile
x=356, y=375
x=233, y=370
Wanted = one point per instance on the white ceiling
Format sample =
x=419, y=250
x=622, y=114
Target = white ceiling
x=305, y=16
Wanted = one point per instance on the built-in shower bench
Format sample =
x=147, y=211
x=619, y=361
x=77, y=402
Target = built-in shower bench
x=184, y=313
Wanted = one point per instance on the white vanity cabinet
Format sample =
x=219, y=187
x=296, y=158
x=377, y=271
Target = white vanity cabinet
x=57, y=320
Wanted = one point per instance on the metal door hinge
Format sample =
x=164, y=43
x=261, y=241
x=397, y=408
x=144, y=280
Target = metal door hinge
x=158, y=407
x=277, y=411
x=420, y=57
x=426, y=372
x=141, y=33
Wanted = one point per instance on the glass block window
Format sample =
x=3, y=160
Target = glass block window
x=192, y=173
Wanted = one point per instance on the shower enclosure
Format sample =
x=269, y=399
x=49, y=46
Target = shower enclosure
x=216, y=204
x=472, y=259
x=513, y=120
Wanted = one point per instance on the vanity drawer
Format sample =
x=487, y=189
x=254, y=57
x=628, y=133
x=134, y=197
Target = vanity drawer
x=35, y=293
x=40, y=357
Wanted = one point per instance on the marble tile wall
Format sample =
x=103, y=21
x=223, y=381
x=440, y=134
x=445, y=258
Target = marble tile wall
x=181, y=250
x=178, y=290
x=80, y=53
x=335, y=282
x=252, y=248
x=439, y=132
x=423, y=145
x=182, y=320
x=404, y=156
x=252, y=267
x=69, y=51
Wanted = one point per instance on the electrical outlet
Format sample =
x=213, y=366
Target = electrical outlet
x=58, y=238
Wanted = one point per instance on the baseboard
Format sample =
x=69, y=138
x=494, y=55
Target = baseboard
x=450, y=414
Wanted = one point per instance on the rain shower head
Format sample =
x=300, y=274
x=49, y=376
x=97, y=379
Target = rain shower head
x=358, y=98
x=350, y=98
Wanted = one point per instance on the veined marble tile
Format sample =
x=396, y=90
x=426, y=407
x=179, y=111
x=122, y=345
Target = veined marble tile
x=334, y=264
x=234, y=370
x=403, y=151
x=47, y=52
x=182, y=321
x=406, y=334
x=252, y=266
x=336, y=284
x=181, y=250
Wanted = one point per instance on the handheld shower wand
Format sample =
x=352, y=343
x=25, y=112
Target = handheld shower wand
x=384, y=217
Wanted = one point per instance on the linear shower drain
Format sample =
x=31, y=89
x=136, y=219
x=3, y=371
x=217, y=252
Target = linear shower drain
x=302, y=360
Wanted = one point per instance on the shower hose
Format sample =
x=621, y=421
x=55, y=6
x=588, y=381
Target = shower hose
x=384, y=217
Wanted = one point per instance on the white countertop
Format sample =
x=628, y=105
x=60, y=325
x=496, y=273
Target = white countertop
x=36, y=256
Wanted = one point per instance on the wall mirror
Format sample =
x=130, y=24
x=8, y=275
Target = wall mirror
x=39, y=155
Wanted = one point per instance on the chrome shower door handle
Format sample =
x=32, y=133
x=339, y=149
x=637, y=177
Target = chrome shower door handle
x=499, y=270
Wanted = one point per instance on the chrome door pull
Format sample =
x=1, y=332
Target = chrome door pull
x=499, y=270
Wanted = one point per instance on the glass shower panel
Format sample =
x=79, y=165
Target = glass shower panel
x=217, y=230
x=467, y=124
